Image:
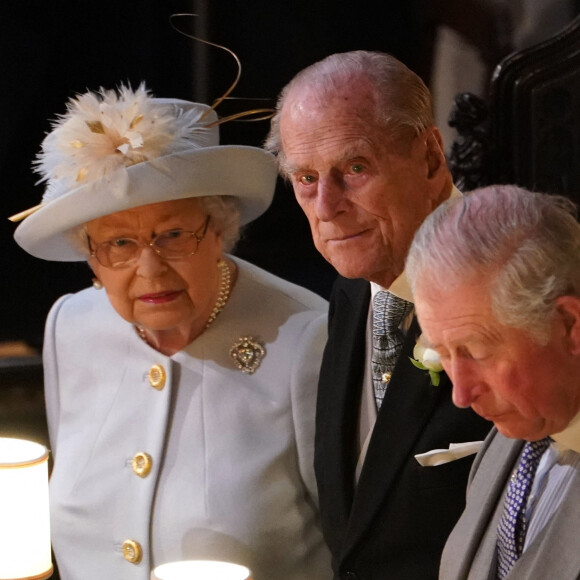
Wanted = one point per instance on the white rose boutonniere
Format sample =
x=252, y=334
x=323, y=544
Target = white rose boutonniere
x=427, y=359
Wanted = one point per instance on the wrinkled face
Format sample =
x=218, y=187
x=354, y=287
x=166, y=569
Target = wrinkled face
x=155, y=293
x=363, y=196
x=527, y=389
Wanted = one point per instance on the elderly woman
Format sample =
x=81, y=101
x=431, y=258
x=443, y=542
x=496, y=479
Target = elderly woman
x=180, y=398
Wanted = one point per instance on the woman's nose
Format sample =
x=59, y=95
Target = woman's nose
x=149, y=263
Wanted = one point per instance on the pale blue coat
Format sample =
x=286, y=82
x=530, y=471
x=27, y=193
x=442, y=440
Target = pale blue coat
x=232, y=453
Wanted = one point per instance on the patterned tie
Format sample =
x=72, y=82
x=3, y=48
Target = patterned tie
x=511, y=532
x=388, y=313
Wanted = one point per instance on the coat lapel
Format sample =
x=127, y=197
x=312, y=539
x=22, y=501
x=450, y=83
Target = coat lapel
x=471, y=546
x=339, y=400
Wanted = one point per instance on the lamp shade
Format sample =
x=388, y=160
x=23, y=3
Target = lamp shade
x=24, y=514
x=200, y=570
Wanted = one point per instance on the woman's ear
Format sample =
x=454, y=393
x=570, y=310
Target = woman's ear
x=568, y=308
x=94, y=266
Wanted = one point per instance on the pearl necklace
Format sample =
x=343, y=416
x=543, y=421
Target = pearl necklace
x=222, y=299
x=224, y=292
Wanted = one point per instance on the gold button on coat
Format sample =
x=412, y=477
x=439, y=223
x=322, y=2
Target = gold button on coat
x=157, y=377
x=132, y=551
x=142, y=464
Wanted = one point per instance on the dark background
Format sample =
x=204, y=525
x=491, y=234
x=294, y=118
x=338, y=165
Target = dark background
x=50, y=51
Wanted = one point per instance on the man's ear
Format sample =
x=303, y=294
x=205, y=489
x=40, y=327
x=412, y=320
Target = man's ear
x=434, y=150
x=568, y=307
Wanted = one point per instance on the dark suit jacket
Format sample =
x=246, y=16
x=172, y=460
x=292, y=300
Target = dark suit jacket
x=394, y=525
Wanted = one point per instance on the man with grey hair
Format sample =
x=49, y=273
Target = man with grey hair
x=506, y=324
x=355, y=136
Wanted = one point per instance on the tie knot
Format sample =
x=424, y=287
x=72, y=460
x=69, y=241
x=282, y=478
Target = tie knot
x=533, y=451
x=388, y=312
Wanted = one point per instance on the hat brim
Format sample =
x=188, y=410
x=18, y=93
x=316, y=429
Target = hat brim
x=248, y=173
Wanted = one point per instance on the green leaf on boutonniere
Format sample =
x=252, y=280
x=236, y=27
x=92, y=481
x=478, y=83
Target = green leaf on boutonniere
x=435, y=378
x=433, y=375
x=418, y=364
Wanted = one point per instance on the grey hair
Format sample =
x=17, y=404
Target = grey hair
x=225, y=217
x=224, y=212
x=403, y=101
x=527, y=243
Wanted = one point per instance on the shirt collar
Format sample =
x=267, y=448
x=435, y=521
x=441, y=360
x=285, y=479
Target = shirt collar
x=400, y=286
x=570, y=437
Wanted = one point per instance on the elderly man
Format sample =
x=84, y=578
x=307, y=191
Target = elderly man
x=506, y=323
x=354, y=135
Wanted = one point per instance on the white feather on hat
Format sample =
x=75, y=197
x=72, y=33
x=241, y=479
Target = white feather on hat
x=114, y=150
x=103, y=132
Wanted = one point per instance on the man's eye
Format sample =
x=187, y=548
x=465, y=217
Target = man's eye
x=357, y=167
x=464, y=352
x=480, y=354
x=474, y=352
x=307, y=179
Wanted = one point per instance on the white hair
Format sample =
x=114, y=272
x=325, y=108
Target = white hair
x=526, y=243
x=403, y=101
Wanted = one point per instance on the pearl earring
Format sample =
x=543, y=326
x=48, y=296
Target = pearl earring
x=97, y=284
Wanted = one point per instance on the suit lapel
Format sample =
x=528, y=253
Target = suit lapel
x=475, y=533
x=409, y=402
x=339, y=400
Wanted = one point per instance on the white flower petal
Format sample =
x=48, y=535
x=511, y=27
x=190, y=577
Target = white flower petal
x=418, y=352
x=431, y=360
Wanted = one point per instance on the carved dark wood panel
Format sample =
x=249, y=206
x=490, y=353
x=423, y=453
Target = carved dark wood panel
x=531, y=134
x=469, y=155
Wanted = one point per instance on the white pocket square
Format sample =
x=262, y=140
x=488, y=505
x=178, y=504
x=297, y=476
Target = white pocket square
x=455, y=451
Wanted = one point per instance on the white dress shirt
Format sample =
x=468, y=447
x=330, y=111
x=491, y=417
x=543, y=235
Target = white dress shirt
x=556, y=470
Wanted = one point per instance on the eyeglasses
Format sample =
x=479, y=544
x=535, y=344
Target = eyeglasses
x=169, y=245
